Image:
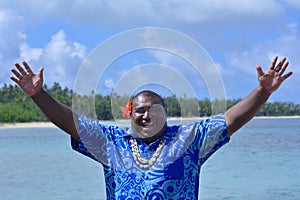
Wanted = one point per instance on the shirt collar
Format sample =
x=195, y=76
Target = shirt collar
x=171, y=131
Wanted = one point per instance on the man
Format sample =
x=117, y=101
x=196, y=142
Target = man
x=151, y=160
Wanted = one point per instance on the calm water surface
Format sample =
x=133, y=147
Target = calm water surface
x=261, y=161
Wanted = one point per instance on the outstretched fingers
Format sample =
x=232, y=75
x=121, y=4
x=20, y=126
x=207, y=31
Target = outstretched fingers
x=21, y=70
x=280, y=64
x=259, y=71
x=286, y=76
x=272, y=65
x=40, y=72
x=16, y=73
x=27, y=67
x=282, y=69
x=15, y=79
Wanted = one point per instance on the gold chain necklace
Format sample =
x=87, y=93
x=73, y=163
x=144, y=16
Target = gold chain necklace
x=141, y=162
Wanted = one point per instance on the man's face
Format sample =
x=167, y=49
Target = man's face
x=148, y=118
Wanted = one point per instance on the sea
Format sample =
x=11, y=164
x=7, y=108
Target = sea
x=261, y=162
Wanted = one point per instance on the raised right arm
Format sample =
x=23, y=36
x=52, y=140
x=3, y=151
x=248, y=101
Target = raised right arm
x=59, y=114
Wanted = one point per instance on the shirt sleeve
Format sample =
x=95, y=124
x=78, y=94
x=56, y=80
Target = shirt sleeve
x=213, y=135
x=92, y=139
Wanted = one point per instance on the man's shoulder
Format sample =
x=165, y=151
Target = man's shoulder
x=96, y=125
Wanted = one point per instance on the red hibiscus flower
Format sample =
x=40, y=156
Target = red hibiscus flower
x=127, y=109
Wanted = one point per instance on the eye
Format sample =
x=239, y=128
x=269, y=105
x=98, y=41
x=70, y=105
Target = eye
x=139, y=111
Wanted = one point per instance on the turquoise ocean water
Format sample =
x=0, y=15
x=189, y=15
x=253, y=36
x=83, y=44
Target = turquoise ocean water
x=262, y=161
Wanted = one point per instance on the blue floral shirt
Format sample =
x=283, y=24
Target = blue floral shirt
x=174, y=175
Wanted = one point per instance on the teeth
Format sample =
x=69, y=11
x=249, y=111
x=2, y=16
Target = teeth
x=147, y=124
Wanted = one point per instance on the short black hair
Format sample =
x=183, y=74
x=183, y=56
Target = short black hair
x=150, y=92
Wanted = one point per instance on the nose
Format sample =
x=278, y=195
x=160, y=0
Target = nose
x=146, y=114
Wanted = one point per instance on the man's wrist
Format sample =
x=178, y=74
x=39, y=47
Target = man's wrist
x=37, y=94
x=263, y=92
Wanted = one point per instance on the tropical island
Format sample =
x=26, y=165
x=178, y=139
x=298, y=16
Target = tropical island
x=16, y=106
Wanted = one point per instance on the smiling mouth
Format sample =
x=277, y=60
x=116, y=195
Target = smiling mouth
x=147, y=125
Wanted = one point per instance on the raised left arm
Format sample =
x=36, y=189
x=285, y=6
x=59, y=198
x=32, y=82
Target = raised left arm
x=269, y=81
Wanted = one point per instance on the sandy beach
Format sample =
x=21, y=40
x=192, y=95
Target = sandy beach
x=27, y=125
x=49, y=124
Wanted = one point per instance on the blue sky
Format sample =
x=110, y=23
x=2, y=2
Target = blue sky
x=60, y=35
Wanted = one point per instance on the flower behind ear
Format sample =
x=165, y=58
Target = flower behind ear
x=126, y=110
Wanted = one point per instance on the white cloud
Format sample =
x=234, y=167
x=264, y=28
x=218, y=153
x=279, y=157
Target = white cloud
x=286, y=45
x=28, y=53
x=62, y=59
x=239, y=34
x=242, y=64
x=192, y=11
x=11, y=34
x=148, y=12
x=109, y=83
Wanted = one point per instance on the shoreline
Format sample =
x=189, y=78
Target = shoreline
x=27, y=125
x=50, y=124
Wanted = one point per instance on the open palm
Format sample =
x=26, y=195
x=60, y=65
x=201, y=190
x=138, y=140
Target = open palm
x=30, y=83
x=271, y=79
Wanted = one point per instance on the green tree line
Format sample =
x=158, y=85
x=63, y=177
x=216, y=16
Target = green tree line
x=15, y=106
